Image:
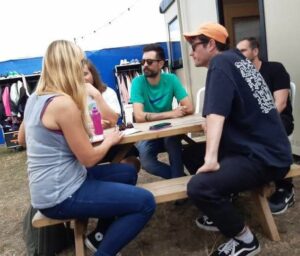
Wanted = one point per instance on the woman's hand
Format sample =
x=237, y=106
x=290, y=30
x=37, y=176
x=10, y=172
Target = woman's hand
x=105, y=124
x=92, y=91
x=114, y=137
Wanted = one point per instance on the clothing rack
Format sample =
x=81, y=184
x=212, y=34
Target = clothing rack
x=14, y=92
x=129, y=67
x=31, y=79
x=123, y=76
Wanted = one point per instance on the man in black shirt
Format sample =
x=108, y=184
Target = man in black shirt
x=246, y=144
x=278, y=81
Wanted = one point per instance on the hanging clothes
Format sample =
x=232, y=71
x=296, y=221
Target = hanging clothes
x=124, y=75
x=14, y=93
x=22, y=100
x=25, y=85
x=128, y=83
x=14, y=97
x=6, y=101
x=2, y=109
x=123, y=89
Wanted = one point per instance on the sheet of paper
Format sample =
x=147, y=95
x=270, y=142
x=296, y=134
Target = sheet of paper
x=97, y=138
x=130, y=131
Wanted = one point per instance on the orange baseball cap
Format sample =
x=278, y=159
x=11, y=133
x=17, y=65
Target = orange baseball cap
x=211, y=30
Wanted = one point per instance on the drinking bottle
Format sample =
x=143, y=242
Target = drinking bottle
x=96, y=118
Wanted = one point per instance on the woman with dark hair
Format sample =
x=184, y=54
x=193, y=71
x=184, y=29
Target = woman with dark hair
x=105, y=98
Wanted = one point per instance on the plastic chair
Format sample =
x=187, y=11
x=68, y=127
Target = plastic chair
x=174, y=103
x=292, y=96
x=293, y=93
x=199, y=100
x=199, y=103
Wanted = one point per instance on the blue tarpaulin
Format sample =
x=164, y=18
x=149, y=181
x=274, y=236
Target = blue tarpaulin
x=104, y=60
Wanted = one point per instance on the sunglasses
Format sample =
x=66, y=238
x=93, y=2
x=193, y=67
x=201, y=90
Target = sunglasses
x=194, y=45
x=148, y=61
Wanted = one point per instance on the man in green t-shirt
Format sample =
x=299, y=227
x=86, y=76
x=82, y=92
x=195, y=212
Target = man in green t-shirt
x=152, y=95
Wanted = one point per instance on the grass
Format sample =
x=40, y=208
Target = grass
x=14, y=201
x=171, y=230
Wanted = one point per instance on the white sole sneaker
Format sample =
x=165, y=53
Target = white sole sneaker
x=91, y=247
x=290, y=201
x=206, y=227
x=257, y=251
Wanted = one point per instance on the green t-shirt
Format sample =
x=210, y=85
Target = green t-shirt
x=157, y=98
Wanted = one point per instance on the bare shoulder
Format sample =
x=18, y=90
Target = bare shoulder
x=63, y=104
x=57, y=110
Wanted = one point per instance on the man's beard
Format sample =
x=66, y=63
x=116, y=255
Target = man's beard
x=150, y=73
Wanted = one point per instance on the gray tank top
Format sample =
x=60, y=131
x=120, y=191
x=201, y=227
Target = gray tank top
x=54, y=171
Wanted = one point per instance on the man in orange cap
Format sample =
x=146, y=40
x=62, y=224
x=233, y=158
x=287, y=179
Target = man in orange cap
x=246, y=144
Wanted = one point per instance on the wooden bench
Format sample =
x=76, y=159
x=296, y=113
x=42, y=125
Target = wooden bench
x=39, y=220
x=260, y=197
x=175, y=189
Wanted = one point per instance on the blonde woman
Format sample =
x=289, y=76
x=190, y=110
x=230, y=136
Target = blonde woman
x=59, y=152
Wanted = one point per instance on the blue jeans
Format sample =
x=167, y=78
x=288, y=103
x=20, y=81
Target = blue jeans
x=149, y=149
x=108, y=192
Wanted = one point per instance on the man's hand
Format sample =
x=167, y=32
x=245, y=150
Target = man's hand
x=214, y=125
x=204, y=127
x=179, y=111
x=209, y=167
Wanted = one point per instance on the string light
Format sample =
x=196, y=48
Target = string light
x=107, y=23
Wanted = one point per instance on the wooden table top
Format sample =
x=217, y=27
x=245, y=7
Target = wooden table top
x=182, y=125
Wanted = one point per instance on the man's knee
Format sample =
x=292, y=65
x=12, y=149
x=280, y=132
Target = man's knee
x=147, y=161
x=172, y=141
x=197, y=188
x=146, y=150
x=144, y=156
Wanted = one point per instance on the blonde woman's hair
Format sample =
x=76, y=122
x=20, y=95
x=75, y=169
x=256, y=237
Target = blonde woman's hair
x=62, y=73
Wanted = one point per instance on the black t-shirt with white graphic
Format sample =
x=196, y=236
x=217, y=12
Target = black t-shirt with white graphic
x=252, y=127
x=277, y=78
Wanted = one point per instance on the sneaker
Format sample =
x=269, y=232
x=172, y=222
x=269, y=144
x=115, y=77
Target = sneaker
x=205, y=223
x=281, y=199
x=93, y=240
x=236, y=247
